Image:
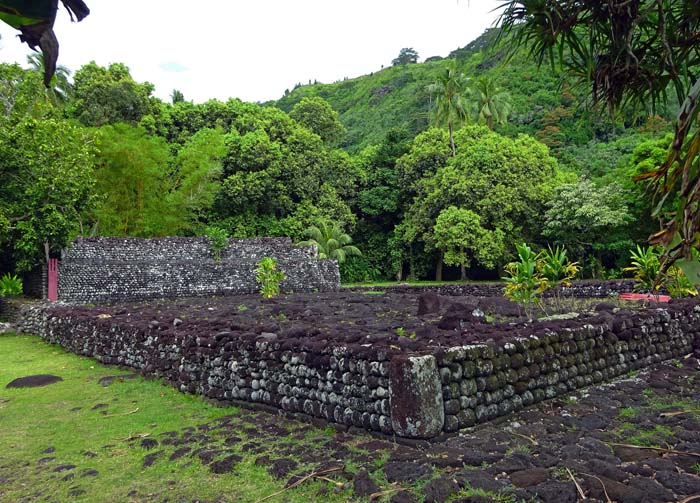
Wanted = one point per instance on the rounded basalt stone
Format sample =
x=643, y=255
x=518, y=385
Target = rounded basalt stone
x=451, y=423
x=492, y=411
x=517, y=402
x=445, y=375
x=456, y=370
x=466, y=418
x=484, y=367
x=452, y=407
x=468, y=402
x=538, y=394
x=492, y=383
x=528, y=398
x=480, y=413
x=517, y=360
x=33, y=381
x=452, y=390
x=385, y=424
x=467, y=387
x=505, y=407
x=508, y=391
x=468, y=369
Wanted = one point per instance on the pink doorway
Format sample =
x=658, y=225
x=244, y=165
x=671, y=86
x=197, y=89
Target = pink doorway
x=53, y=279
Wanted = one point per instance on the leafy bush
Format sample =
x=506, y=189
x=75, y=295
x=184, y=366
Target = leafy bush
x=218, y=240
x=268, y=277
x=678, y=285
x=358, y=270
x=646, y=266
x=10, y=285
x=557, y=269
x=524, y=282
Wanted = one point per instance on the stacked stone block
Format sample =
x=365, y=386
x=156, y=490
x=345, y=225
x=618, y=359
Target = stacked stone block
x=485, y=381
x=408, y=395
x=118, y=269
x=579, y=289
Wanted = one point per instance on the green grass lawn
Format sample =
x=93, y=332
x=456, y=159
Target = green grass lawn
x=80, y=422
x=414, y=283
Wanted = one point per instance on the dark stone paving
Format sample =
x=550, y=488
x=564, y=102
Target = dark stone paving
x=600, y=436
x=34, y=381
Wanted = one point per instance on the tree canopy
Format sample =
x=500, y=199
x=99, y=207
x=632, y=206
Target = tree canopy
x=631, y=53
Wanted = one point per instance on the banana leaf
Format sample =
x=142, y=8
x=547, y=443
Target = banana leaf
x=34, y=19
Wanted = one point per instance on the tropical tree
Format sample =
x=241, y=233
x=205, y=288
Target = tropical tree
x=406, y=55
x=459, y=235
x=630, y=52
x=504, y=181
x=588, y=220
x=450, y=106
x=47, y=187
x=492, y=103
x=316, y=114
x=176, y=96
x=110, y=95
x=330, y=241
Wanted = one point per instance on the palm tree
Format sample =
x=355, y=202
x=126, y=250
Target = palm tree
x=493, y=104
x=330, y=241
x=60, y=88
x=450, y=104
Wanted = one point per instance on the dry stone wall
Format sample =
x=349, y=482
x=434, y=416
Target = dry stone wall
x=334, y=384
x=111, y=269
x=425, y=394
x=578, y=289
x=484, y=381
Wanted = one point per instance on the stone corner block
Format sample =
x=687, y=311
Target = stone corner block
x=417, y=409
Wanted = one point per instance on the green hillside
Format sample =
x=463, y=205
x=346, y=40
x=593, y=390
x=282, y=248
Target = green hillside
x=396, y=97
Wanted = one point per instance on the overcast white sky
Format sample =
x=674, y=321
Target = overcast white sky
x=256, y=49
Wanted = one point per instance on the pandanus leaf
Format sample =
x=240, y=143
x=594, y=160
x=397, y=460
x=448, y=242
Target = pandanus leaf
x=35, y=20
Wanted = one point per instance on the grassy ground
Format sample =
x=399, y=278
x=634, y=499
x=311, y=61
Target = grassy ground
x=79, y=422
x=413, y=283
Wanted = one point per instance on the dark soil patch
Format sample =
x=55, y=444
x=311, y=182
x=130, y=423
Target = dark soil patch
x=282, y=467
x=63, y=467
x=149, y=459
x=149, y=443
x=225, y=465
x=34, y=381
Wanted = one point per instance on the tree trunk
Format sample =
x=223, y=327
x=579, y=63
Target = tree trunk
x=452, y=140
x=438, y=268
x=46, y=251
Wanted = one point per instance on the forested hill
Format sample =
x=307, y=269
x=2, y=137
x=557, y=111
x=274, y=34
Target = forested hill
x=397, y=97
x=102, y=156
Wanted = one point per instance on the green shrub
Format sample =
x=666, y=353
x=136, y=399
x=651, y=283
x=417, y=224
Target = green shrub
x=524, y=283
x=646, y=266
x=554, y=266
x=268, y=277
x=218, y=240
x=358, y=269
x=10, y=285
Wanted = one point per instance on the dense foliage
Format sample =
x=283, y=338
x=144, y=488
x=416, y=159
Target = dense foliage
x=351, y=162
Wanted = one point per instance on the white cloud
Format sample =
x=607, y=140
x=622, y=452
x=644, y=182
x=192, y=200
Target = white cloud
x=256, y=50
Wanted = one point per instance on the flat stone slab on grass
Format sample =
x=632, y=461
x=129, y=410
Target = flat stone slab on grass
x=34, y=381
x=107, y=380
